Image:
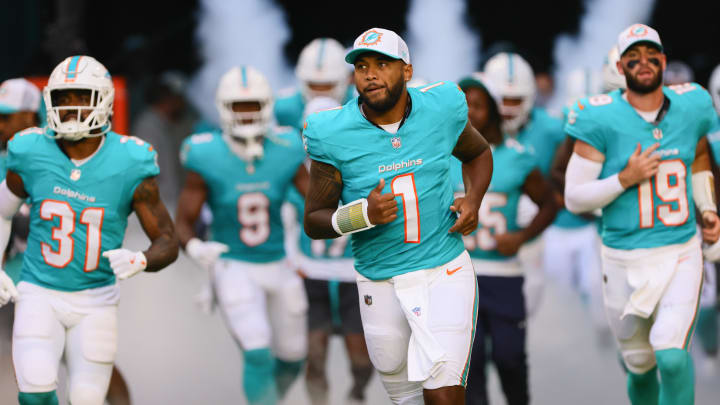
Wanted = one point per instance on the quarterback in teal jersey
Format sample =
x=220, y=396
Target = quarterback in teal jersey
x=321, y=71
x=82, y=181
x=494, y=246
x=389, y=148
x=641, y=155
x=243, y=172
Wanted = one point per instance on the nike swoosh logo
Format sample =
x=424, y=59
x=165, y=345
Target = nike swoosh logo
x=451, y=272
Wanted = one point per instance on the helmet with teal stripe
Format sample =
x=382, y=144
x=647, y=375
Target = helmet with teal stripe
x=83, y=73
x=322, y=71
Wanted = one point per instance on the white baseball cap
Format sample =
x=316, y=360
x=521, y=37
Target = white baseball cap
x=18, y=95
x=638, y=33
x=381, y=41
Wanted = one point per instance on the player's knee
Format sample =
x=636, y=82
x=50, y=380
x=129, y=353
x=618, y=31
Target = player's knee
x=37, y=367
x=639, y=361
x=672, y=362
x=38, y=398
x=509, y=357
x=387, y=350
x=87, y=394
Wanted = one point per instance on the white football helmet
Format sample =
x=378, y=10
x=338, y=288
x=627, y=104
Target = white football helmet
x=512, y=77
x=714, y=87
x=582, y=82
x=322, y=61
x=677, y=72
x=84, y=73
x=612, y=79
x=245, y=131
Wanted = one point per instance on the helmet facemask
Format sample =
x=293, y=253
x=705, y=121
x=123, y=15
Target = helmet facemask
x=85, y=74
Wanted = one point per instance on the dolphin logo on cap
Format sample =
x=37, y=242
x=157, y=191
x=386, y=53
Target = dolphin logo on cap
x=371, y=37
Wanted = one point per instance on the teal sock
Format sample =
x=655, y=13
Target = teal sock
x=707, y=330
x=677, y=377
x=38, y=398
x=643, y=389
x=285, y=374
x=258, y=378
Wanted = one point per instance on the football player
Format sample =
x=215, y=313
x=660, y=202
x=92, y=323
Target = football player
x=82, y=181
x=389, y=148
x=243, y=172
x=493, y=247
x=642, y=156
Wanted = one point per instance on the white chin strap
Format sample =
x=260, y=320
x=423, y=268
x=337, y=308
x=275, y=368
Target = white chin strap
x=73, y=130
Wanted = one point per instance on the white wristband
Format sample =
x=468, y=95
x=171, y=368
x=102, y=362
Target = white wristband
x=351, y=217
x=704, y=191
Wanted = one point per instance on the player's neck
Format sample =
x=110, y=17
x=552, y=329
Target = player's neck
x=646, y=102
x=81, y=149
x=391, y=116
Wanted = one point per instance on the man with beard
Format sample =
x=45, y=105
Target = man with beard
x=642, y=156
x=392, y=147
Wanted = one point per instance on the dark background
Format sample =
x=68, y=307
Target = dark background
x=139, y=39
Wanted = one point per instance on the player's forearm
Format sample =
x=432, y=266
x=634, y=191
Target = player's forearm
x=545, y=216
x=185, y=231
x=476, y=177
x=318, y=224
x=162, y=252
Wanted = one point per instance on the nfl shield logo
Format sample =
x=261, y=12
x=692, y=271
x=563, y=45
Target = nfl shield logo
x=657, y=134
x=416, y=311
x=368, y=300
x=75, y=175
x=396, y=142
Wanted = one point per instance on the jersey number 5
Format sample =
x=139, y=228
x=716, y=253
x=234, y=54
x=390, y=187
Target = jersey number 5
x=91, y=217
x=670, y=186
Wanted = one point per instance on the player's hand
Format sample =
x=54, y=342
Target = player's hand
x=710, y=227
x=508, y=244
x=8, y=292
x=125, y=263
x=640, y=166
x=467, y=220
x=382, y=208
x=205, y=253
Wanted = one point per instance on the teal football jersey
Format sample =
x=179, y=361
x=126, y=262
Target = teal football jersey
x=714, y=140
x=660, y=211
x=317, y=249
x=77, y=212
x=543, y=134
x=512, y=163
x=415, y=164
x=245, y=203
x=289, y=110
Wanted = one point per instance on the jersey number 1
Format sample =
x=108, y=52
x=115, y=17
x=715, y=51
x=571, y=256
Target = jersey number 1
x=92, y=217
x=404, y=186
x=668, y=193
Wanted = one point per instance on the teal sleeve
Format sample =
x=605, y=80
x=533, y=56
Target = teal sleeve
x=313, y=144
x=190, y=151
x=582, y=124
x=20, y=149
x=457, y=109
x=145, y=164
x=714, y=139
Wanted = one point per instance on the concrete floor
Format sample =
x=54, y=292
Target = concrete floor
x=171, y=353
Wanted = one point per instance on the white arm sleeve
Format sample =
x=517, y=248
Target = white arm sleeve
x=9, y=205
x=703, y=191
x=583, y=191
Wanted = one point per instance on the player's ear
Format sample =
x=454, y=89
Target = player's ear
x=407, y=72
x=619, y=66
